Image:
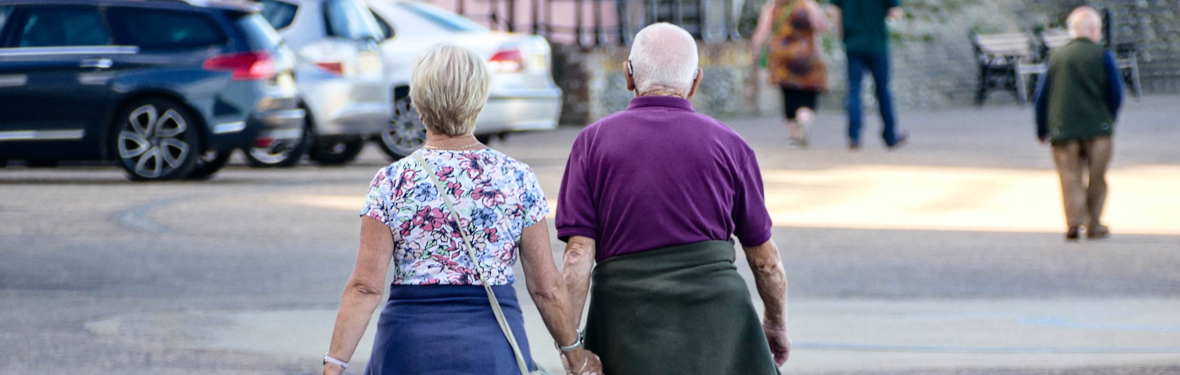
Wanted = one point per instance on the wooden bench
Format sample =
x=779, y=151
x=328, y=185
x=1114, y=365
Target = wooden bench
x=1005, y=62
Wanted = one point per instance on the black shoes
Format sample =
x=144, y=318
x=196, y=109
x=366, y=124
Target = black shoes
x=897, y=143
x=1096, y=232
x=900, y=141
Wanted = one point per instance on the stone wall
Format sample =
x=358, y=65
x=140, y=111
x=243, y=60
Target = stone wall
x=595, y=86
x=933, y=64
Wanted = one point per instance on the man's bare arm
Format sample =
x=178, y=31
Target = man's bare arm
x=576, y=265
x=771, y=280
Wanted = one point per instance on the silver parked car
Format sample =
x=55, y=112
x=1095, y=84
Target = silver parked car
x=340, y=74
x=522, y=94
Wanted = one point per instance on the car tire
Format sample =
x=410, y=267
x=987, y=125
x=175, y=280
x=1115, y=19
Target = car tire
x=405, y=134
x=208, y=164
x=281, y=156
x=484, y=138
x=337, y=152
x=42, y=163
x=156, y=139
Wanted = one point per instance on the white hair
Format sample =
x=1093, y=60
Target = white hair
x=1084, y=22
x=449, y=86
x=663, y=56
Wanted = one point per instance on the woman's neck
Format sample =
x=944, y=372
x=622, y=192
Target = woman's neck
x=446, y=142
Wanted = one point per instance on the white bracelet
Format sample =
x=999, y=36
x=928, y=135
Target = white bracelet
x=328, y=359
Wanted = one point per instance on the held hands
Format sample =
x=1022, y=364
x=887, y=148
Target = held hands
x=780, y=341
x=581, y=362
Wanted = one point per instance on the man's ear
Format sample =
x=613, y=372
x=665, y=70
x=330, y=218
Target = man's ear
x=630, y=76
x=696, y=82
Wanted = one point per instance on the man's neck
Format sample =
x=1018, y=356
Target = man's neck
x=659, y=92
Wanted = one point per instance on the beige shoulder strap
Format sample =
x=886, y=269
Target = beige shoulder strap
x=524, y=369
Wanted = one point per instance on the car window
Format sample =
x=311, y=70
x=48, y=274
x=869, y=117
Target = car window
x=385, y=27
x=350, y=19
x=61, y=27
x=260, y=34
x=278, y=13
x=4, y=10
x=447, y=20
x=159, y=29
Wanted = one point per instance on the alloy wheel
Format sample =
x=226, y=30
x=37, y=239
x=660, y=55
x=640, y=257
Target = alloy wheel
x=406, y=132
x=151, y=143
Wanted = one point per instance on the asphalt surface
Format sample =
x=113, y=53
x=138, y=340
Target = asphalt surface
x=894, y=268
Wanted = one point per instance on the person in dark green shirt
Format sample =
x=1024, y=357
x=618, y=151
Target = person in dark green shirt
x=866, y=43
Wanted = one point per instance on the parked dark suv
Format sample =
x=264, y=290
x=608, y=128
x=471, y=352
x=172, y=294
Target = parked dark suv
x=166, y=88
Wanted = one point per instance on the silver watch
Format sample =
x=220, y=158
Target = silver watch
x=571, y=347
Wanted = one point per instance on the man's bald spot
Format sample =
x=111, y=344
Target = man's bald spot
x=1085, y=22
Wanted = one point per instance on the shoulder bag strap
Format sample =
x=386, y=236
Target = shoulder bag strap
x=524, y=369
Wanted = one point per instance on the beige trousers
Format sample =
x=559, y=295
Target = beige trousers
x=1082, y=167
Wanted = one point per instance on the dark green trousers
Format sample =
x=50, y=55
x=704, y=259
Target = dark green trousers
x=676, y=310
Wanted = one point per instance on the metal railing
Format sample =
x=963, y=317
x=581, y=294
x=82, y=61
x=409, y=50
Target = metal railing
x=604, y=22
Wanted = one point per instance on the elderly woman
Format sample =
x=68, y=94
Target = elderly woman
x=438, y=319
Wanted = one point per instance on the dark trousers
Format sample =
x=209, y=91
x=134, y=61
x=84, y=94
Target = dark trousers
x=878, y=65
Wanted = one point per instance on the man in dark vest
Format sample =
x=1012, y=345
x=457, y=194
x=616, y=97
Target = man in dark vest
x=1077, y=103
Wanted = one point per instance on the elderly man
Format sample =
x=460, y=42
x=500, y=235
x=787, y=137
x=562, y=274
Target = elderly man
x=1077, y=103
x=654, y=194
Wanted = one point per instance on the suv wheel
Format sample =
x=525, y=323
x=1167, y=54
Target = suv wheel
x=157, y=140
x=405, y=133
x=209, y=163
x=281, y=154
x=337, y=152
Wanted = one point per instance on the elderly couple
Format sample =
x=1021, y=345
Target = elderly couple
x=650, y=200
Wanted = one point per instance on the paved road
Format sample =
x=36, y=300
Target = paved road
x=944, y=257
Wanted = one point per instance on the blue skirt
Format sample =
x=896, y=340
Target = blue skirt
x=447, y=330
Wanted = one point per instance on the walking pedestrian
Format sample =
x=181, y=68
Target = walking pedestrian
x=654, y=194
x=1077, y=105
x=866, y=43
x=453, y=218
x=794, y=60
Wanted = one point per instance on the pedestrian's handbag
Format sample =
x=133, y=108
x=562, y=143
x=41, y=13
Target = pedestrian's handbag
x=520, y=362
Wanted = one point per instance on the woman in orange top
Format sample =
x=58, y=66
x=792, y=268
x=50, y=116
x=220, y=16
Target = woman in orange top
x=794, y=60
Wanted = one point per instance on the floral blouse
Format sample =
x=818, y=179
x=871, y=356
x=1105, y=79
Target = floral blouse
x=496, y=196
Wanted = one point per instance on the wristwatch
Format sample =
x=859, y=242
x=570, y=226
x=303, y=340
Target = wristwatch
x=571, y=347
x=328, y=359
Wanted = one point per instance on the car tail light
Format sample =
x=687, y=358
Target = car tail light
x=264, y=142
x=245, y=66
x=336, y=68
x=506, y=61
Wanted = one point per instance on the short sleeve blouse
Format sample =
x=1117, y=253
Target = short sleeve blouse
x=496, y=196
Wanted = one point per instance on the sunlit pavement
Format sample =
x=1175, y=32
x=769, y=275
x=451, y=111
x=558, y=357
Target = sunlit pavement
x=945, y=256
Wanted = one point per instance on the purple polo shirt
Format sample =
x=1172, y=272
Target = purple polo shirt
x=657, y=175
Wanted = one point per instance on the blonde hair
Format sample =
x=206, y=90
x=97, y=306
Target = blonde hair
x=449, y=87
x=664, y=56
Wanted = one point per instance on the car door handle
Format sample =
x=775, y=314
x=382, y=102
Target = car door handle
x=96, y=63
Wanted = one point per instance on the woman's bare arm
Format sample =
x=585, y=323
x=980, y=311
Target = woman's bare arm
x=762, y=30
x=363, y=292
x=548, y=290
